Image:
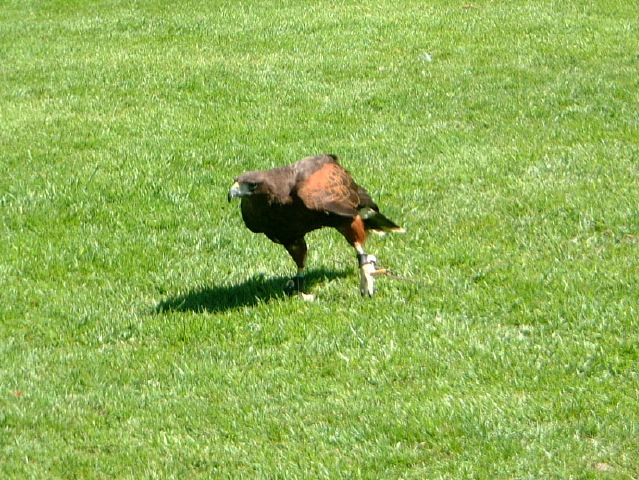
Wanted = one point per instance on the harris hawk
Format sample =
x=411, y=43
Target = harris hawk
x=286, y=203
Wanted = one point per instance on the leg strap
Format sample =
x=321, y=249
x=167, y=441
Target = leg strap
x=365, y=259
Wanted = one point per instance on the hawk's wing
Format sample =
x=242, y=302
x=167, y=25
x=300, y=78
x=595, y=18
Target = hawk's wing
x=331, y=189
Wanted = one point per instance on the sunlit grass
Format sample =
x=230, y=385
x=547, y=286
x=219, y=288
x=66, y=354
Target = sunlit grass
x=144, y=331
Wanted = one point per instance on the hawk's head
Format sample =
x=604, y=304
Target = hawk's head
x=247, y=184
x=275, y=185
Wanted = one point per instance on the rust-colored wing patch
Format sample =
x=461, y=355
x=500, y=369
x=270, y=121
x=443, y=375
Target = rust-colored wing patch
x=330, y=189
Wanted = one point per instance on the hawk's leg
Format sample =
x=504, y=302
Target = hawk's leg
x=297, y=250
x=355, y=234
x=367, y=270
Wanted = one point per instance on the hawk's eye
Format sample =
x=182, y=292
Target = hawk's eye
x=252, y=186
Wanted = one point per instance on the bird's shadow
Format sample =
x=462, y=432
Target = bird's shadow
x=258, y=289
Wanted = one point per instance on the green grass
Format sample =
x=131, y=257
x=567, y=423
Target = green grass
x=143, y=328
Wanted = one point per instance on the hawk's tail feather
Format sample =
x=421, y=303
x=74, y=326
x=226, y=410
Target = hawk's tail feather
x=373, y=220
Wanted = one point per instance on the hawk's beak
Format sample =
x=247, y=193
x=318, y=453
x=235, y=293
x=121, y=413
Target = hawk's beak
x=235, y=191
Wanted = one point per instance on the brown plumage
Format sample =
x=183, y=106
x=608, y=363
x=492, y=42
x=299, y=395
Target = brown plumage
x=286, y=203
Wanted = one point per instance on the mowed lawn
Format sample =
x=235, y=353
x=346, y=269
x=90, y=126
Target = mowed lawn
x=144, y=332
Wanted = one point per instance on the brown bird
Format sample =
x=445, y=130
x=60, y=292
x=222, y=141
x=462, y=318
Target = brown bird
x=286, y=203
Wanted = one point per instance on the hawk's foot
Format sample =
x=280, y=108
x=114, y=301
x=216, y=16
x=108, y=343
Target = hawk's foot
x=295, y=285
x=367, y=271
